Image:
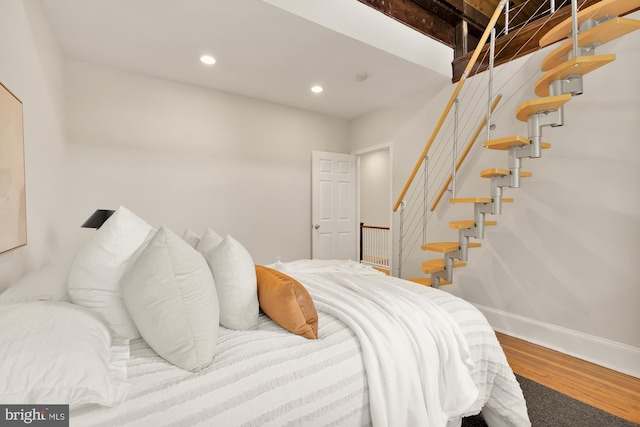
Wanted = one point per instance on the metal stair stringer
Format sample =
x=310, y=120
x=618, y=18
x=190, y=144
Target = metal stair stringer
x=458, y=258
x=539, y=113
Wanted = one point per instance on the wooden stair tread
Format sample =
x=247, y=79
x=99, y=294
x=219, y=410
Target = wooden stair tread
x=435, y=265
x=426, y=281
x=469, y=223
x=580, y=65
x=598, y=10
x=445, y=247
x=534, y=106
x=597, y=35
x=478, y=200
x=489, y=173
x=506, y=142
x=510, y=141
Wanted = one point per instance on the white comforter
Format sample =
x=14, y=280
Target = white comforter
x=426, y=376
x=417, y=361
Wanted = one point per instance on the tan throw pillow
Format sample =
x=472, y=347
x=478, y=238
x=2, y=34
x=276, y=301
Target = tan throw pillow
x=287, y=302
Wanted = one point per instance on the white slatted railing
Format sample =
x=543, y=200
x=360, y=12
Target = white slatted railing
x=375, y=246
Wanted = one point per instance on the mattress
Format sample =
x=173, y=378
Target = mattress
x=270, y=377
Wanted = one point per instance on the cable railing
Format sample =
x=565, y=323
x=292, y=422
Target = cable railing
x=451, y=178
x=452, y=99
x=467, y=113
x=524, y=33
x=432, y=165
x=513, y=15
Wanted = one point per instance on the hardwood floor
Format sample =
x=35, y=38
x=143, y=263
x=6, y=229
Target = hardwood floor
x=611, y=391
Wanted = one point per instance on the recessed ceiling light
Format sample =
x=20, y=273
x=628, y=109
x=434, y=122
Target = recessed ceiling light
x=316, y=89
x=206, y=59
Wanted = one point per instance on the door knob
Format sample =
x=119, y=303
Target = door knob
x=316, y=226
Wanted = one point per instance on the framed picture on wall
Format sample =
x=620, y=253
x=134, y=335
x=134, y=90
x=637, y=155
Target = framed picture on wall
x=13, y=211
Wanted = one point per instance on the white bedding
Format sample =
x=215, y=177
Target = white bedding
x=270, y=377
x=258, y=378
x=404, y=339
x=454, y=348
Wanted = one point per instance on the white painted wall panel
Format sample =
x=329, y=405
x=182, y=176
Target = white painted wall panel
x=375, y=188
x=187, y=157
x=32, y=67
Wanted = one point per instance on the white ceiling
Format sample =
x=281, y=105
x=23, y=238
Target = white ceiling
x=273, y=50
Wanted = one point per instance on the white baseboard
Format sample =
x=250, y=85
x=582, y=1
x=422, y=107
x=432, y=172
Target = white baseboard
x=610, y=354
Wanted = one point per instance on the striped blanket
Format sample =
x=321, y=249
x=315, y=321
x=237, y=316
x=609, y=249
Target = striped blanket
x=270, y=377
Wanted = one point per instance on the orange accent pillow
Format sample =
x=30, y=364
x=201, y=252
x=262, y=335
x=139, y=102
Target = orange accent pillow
x=287, y=302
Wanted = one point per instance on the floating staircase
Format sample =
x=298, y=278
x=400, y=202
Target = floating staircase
x=563, y=79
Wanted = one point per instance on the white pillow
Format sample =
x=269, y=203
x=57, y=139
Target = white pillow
x=134, y=257
x=59, y=353
x=94, y=279
x=235, y=275
x=172, y=298
x=47, y=284
x=210, y=239
x=191, y=238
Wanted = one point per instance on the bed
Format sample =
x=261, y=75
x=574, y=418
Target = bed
x=388, y=352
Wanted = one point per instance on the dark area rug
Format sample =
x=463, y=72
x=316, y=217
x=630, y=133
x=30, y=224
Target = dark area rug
x=549, y=408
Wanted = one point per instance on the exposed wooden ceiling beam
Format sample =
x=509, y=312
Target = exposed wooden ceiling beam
x=438, y=19
x=454, y=11
x=450, y=11
x=415, y=16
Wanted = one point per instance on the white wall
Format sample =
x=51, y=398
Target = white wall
x=375, y=188
x=32, y=67
x=561, y=267
x=187, y=157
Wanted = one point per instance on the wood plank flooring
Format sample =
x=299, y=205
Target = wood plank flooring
x=611, y=391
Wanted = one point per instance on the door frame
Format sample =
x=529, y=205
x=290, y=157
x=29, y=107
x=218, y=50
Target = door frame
x=368, y=150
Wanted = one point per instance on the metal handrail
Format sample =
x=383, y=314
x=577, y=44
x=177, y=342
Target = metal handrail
x=454, y=95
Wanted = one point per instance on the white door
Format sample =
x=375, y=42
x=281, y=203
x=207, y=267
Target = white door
x=333, y=206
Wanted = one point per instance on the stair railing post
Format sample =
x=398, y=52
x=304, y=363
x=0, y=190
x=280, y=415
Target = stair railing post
x=455, y=149
x=492, y=48
x=425, y=207
x=402, y=205
x=574, y=27
x=552, y=6
x=361, y=240
x=506, y=18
